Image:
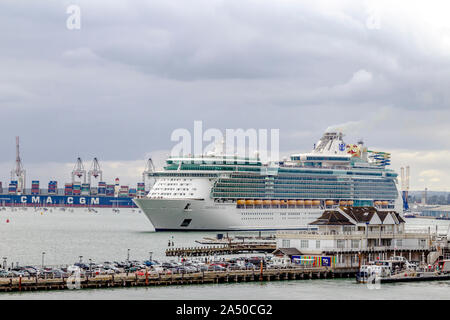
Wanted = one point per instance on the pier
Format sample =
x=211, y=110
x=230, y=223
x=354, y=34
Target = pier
x=234, y=248
x=163, y=279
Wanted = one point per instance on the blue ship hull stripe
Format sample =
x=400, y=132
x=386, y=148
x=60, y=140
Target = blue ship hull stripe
x=65, y=201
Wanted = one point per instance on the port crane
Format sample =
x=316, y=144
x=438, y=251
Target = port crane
x=18, y=173
x=95, y=171
x=79, y=171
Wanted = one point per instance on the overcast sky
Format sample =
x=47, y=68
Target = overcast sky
x=136, y=70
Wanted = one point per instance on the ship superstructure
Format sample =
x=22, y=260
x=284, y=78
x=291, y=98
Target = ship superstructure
x=222, y=192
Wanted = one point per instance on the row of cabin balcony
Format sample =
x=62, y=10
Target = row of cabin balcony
x=325, y=204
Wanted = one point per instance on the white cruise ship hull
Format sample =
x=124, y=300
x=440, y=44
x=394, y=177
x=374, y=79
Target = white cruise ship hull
x=204, y=215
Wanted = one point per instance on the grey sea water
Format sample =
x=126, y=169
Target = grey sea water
x=105, y=235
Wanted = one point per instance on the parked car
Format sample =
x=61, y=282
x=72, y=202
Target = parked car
x=234, y=266
x=82, y=266
x=141, y=272
x=17, y=273
x=216, y=268
x=191, y=269
x=5, y=274
x=249, y=266
x=99, y=271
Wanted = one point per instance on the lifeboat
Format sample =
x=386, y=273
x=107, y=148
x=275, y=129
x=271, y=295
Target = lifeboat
x=350, y=202
x=241, y=202
x=308, y=202
x=385, y=203
x=292, y=202
x=378, y=203
x=343, y=203
x=267, y=202
x=316, y=203
x=258, y=202
x=329, y=202
x=249, y=202
x=300, y=202
x=276, y=202
x=283, y=202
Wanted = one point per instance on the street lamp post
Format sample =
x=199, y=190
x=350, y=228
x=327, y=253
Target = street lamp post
x=128, y=255
x=4, y=262
x=150, y=255
x=43, y=255
x=81, y=258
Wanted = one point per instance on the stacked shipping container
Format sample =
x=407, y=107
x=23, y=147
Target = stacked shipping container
x=85, y=188
x=76, y=188
x=123, y=191
x=110, y=190
x=132, y=192
x=52, y=187
x=12, y=188
x=102, y=188
x=35, y=187
x=68, y=189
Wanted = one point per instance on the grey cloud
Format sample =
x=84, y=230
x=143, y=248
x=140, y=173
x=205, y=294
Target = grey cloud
x=138, y=70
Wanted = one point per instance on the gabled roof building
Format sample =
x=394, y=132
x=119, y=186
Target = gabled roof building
x=355, y=230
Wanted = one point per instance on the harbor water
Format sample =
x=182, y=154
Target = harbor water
x=105, y=235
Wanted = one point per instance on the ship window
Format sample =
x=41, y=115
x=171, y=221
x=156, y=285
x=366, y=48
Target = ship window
x=186, y=222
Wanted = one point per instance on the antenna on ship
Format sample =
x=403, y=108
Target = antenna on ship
x=78, y=171
x=95, y=171
x=149, y=168
x=18, y=173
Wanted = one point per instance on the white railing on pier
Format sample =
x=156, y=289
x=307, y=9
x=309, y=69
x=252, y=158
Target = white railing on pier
x=360, y=233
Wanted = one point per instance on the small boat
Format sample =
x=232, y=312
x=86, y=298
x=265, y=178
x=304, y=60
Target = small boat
x=382, y=269
x=410, y=215
x=398, y=269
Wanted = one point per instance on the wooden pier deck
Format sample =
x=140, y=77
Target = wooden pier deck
x=155, y=279
x=220, y=250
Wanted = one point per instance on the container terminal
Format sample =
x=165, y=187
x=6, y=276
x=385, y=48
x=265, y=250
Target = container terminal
x=80, y=192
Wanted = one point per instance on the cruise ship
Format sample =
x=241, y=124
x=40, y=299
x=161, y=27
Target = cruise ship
x=220, y=192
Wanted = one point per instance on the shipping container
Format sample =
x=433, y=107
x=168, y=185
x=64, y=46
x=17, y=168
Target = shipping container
x=12, y=188
x=85, y=191
x=132, y=192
